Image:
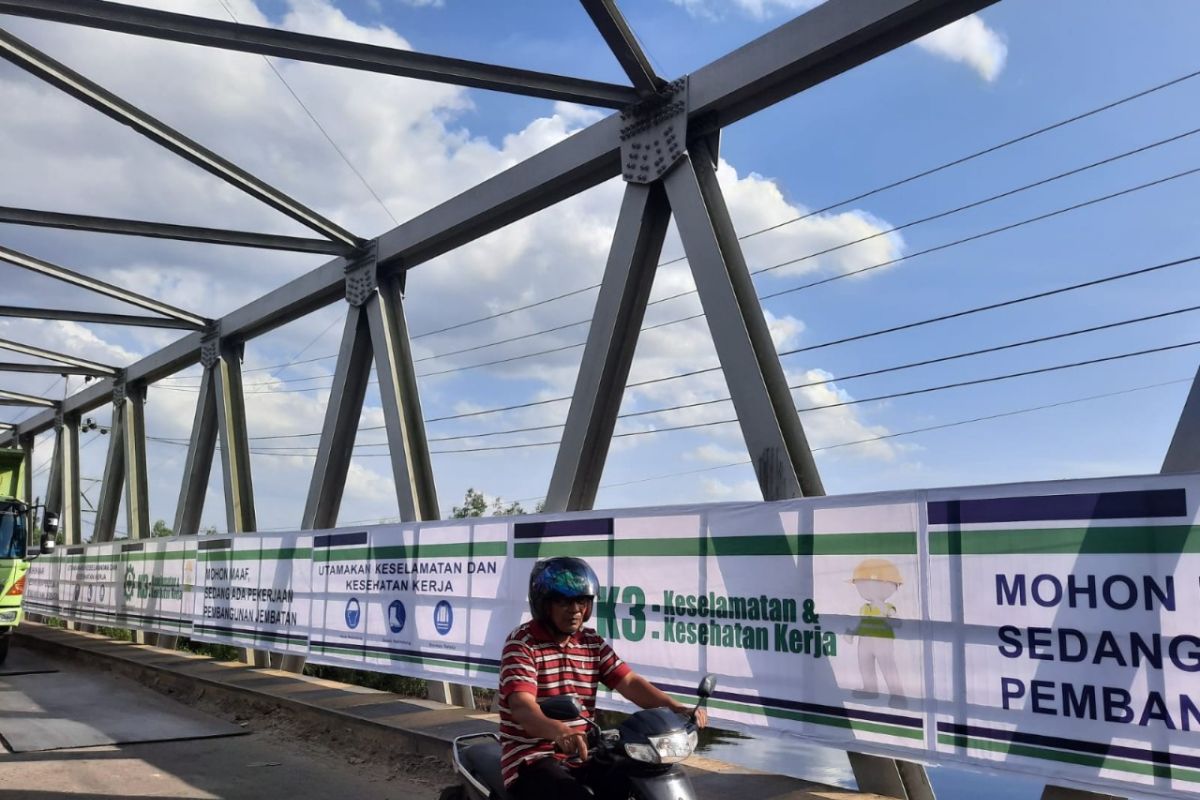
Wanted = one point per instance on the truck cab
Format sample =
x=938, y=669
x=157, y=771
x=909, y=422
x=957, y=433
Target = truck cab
x=16, y=551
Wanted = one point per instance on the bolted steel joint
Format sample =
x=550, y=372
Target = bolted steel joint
x=210, y=346
x=59, y=419
x=654, y=133
x=362, y=274
x=118, y=389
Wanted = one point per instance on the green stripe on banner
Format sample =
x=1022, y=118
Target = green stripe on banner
x=404, y=552
x=1082, y=759
x=426, y=661
x=1164, y=539
x=829, y=544
x=816, y=719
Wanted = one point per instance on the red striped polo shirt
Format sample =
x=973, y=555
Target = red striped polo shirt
x=534, y=662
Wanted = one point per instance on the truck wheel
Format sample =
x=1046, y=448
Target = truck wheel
x=4, y=640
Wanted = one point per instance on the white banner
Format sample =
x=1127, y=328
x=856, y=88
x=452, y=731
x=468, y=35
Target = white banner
x=1044, y=628
x=253, y=591
x=430, y=601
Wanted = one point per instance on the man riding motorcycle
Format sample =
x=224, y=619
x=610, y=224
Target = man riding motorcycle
x=555, y=654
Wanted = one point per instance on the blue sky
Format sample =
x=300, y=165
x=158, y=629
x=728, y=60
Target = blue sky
x=418, y=145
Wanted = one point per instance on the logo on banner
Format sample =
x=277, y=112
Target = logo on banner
x=353, y=613
x=396, y=616
x=443, y=617
x=130, y=582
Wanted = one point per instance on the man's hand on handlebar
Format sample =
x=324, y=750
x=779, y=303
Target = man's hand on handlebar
x=572, y=742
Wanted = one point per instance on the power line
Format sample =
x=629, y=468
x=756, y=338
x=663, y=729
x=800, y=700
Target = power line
x=898, y=434
x=870, y=193
x=807, y=409
x=801, y=287
x=808, y=348
x=844, y=245
x=320, y=127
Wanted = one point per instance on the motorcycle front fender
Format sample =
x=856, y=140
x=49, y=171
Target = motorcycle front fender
x=669, y=785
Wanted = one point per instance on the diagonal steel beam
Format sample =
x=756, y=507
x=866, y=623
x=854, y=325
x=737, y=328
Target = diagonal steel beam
x=8, y=398
x=198, y=467
x=612, y=339
x=100, y=287
x=97, y=317
x=53, y=72
x=320, y=49
x=62, y=358
x=50, y=369
x=624, y=45
x=825, y=42
x=342, y=415
x=109, y=505
x=162, y=230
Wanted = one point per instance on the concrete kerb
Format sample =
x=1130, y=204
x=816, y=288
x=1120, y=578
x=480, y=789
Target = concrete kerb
x=415, y=727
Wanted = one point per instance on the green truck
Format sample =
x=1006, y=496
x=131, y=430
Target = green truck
x=16, y=525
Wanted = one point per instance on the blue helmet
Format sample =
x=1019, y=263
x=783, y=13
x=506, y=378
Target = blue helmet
x=562, y=576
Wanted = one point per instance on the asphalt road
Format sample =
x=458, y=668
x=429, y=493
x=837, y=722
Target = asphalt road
x=266, y=761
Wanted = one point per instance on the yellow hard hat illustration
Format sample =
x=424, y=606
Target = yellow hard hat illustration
x=877, y=569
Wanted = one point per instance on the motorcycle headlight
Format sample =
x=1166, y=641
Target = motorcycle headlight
x=668, y=749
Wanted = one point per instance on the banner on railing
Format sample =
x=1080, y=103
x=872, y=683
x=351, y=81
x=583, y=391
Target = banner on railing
x=1049, y=628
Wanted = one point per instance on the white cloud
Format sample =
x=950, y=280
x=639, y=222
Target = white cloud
x=971, y=42
x=407, y=137
x=758, y=9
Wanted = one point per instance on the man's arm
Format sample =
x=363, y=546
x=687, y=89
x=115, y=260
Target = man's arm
x=528, y=714
x=644, y=694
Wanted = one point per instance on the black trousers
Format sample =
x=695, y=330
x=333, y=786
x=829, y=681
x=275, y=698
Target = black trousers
x=551, y=779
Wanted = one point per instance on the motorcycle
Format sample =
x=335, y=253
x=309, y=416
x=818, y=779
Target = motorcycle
x=643, y=753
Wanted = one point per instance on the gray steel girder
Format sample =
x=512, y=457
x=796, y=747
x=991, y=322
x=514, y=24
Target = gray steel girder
x=68, y=80
x=70, y=520
x=757, y=386
x=8, y=398
x=1183, y=454
x=624, y=45
x=235, y=445
x=411, y=467
x=342, y=416
x=198, y=467
x=162, y=230
x=54, y=480
x=113, y=482
x=137, y=495
x=24, y=312
x=612, y=339
x=99, y=287
x=320, y=49
x=825, y=42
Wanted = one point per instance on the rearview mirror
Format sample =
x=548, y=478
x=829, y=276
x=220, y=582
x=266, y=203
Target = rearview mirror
x=48, y=545
x=563, y=708
x=50, y=523
x=705, y=690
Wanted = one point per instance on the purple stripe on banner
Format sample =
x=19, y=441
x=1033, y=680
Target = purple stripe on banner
x=1151, y=504
x=565, y=527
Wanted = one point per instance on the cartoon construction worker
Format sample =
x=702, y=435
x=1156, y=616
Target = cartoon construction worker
x=877, y=579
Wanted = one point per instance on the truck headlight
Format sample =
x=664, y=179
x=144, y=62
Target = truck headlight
x=9, y=616
x=668, y=749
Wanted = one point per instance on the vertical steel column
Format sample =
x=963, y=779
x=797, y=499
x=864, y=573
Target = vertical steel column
x=235, y=454
x=71, y=523
x=201, y=447
x=114, y=477
x=612, y=339
x=137, y=511
x=235, y=447
x=342, y=417
x=415, y=491
x=765, y=410
x=54, y=481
